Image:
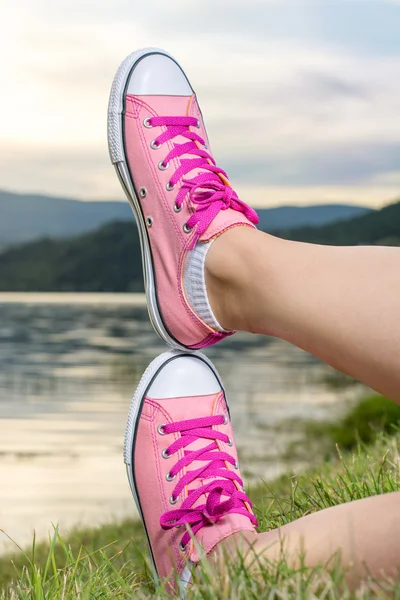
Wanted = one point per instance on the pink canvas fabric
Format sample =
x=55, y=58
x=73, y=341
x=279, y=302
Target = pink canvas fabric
x=185, y=452
x=173, y=151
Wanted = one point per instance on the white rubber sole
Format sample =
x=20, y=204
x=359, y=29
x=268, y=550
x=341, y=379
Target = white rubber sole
x=116, y=149
x=133, y=418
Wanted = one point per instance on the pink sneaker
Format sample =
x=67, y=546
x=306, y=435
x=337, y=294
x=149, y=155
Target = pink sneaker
x=159, y=147
x=182, y=463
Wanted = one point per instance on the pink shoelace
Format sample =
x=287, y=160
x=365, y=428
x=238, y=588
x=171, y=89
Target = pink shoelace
x=222, y=479
x=208, y=193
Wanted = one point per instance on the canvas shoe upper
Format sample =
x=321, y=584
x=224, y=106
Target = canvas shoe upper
x=160, y=149
x=182, y=463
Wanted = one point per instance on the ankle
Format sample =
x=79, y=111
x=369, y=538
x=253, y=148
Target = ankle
x=227, y=277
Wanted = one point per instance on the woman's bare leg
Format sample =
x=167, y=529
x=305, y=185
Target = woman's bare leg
x=365, y=533
x=341, y=304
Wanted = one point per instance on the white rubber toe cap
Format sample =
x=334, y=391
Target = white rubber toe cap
x=184, y=376
x=158, y=74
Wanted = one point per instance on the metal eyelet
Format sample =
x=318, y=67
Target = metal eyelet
x=149, y=221
x=198, y=124
x=205, y=147
x=177, y=208
x=143, y=192
x=187, y=229
x=225, y=419
x=169, y=477
x=169, y=187
x=160, y=429
x=182, y=548
x=236, y=465
x=147, y=124
x=230, y=443
x=163, y=167
x=154, y=145
x=173, y=500
x=165, y=454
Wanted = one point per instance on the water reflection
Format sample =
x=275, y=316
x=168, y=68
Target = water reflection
x=67, y=372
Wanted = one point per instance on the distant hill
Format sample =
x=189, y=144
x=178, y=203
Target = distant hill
x=289, y=217
x=108, y=260
x=28, y=217
x=381, y=227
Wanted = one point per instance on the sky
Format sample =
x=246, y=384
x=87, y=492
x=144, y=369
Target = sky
x=301, y=99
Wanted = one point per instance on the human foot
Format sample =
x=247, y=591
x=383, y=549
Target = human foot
x=182, y=464
x=181, y=199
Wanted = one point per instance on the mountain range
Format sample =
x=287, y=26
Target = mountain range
x=108, y=259
x=380, y=227
x=25, y=217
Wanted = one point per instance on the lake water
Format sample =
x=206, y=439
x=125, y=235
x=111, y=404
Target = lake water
x=69, y=364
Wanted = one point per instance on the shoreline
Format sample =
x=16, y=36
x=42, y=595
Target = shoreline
x=64, y=298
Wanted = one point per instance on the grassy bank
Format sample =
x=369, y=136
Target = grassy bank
x=111, y=561
x=371, y=416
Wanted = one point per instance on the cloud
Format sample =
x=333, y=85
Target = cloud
x=303, y=94
x=337, y=167
x=304, y=105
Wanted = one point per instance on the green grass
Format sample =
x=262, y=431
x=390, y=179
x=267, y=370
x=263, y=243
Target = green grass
x=369, y=417
x=111, y=561
x=364, y=421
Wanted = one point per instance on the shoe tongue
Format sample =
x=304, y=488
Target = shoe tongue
x=169, y=106
x=194, y=408
x=180, y=106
